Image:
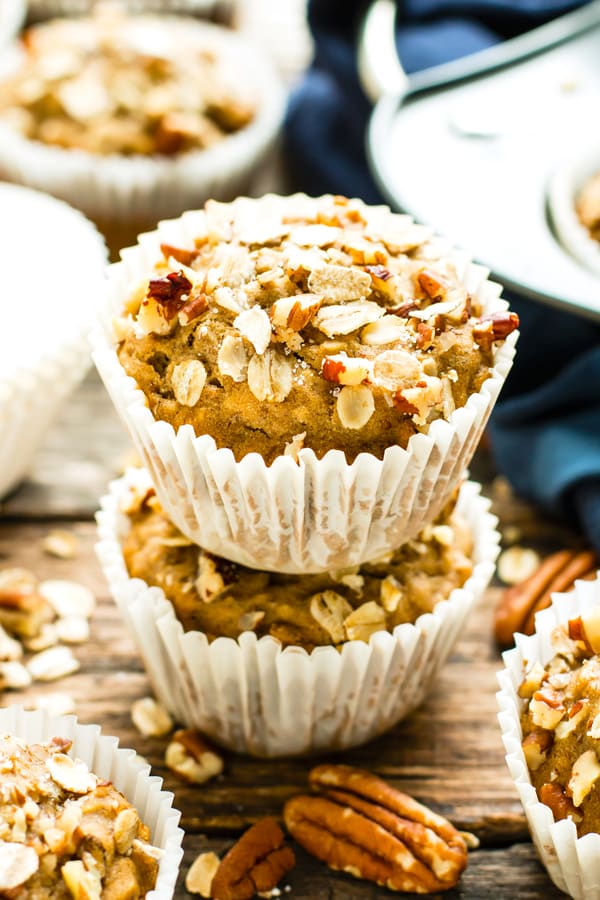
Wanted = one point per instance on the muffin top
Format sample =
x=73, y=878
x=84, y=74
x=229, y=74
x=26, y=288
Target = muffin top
x=223, y=599
x=112, y=84
x=588, y=206
x=66, y=833
x=291, y=322
x=561, y=724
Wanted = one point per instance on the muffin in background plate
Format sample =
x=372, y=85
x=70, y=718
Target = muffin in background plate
x=305, y=378
x=588, y=206
x=221, y=599
x=251, y=693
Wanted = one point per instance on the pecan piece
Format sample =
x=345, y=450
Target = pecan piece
x=256, y=863
x=554, y=796
x=169, y=292
x=180, y=254
x=361, y=825
x=518, y=605
x=494, y=327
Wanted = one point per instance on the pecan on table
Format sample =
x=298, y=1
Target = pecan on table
x=359, y=824
x=255, y=864
x=518, y=604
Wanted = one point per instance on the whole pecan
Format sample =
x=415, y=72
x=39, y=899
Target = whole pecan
x=256, y=863
x=361, y=825
x=518, y=604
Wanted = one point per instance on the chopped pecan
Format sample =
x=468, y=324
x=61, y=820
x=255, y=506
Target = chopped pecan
x=361, y=825
x=494, y=327
x=169, y=292
x=192, y=308
x=553, y=795
x=256, y=863
x=518, y=605
x=180, y=254
x=586, y=629
x=432, y=285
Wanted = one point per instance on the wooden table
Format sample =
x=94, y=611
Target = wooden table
x=448, y=754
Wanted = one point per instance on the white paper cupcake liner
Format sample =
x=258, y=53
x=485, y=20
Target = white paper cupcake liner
x=12, y=16
x=253, y=696
x=310, y=516
x=118, y=189
x=573, y=863
x=44, y=351
x=123, y=768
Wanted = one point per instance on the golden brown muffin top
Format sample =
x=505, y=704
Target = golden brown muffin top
x=112, y=84
x=66, y=833
x=561, y=723
x=322, y=323
x=223, y=599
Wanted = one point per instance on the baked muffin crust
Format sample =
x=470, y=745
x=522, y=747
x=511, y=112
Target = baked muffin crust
x=297, y=322
x=222, y=599
x=66, y=833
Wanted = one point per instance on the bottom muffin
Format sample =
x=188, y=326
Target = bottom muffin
x=224, y=599
x=334, y=676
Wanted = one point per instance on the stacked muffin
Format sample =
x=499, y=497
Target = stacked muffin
x=306, y=380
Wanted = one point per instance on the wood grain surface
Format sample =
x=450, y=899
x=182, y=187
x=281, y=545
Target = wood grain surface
x=448, y=754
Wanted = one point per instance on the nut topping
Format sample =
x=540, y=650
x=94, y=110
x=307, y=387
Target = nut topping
x=255, y=325
x=361, y=825
x=170, y=293
x=232, y=359
x=72, y=775
x=295, y=312
x=562, y=807
x=344, y=369
x=585, y=773
x=193, y=757
x=586, y=629
x=150, y=718
x=494, y=327
x=255, y=864
x=18, y=862
x=348, y=317
x=330, y=609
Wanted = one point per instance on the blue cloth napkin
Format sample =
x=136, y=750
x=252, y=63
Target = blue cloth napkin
x=546, y=427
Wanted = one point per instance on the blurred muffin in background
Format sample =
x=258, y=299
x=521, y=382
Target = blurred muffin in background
x=135, y=118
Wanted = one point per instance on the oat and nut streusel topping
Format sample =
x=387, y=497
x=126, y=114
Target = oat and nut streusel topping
x=64, y=832
x=306, y=322
x=110, y=84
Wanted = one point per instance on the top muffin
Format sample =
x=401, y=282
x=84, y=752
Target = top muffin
x=112, y=84
x=284, y=323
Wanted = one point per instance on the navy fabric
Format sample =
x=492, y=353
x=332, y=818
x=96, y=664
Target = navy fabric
x=546, y=427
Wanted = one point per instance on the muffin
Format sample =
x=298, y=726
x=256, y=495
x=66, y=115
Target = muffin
x=588, y=206
x=550, y=710
x=47, y=310
x=222, y=599
x=317, y=370
x=136, y=118
x=68, y=831
x=298, y=680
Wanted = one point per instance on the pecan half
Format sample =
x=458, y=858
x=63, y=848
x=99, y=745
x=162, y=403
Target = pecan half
x=256, y=863
x=518, y=605
x=361, y=825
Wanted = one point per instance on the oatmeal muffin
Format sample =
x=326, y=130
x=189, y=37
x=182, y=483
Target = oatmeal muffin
x=588, y=206
x=66, y=833
x=293, y=322
x=561, y=723
x=109, y=85
x=222, y=599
